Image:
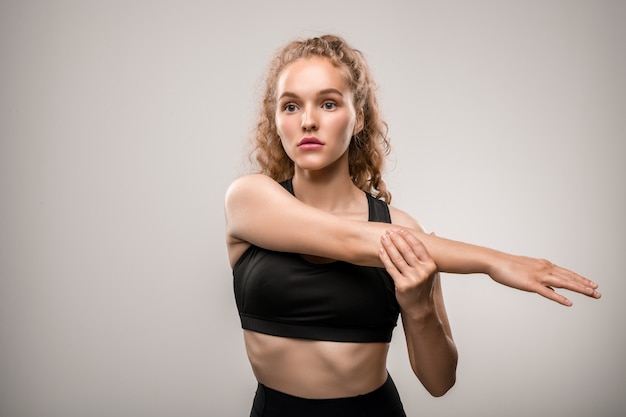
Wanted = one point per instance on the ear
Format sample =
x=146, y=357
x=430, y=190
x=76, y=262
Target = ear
x=360, y=122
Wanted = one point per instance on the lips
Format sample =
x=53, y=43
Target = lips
x=310, y=142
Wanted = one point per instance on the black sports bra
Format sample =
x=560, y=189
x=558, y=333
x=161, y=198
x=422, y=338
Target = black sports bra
x=282, y=294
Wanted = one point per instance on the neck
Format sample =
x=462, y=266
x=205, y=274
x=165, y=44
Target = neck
x=331, y=193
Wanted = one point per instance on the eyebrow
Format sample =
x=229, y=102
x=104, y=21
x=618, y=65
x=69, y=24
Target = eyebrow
x=320, y=93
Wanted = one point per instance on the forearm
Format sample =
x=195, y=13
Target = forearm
x=432, y=351
x=450, y=256
x=458, y=257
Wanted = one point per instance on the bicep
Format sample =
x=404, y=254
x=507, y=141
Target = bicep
x=260, y=211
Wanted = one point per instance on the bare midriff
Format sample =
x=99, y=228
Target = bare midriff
x=316, y=369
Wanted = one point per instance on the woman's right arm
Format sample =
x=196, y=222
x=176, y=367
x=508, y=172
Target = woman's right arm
x=261, y=212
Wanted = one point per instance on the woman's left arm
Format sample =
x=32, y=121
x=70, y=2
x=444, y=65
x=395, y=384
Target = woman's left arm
x=431, y=349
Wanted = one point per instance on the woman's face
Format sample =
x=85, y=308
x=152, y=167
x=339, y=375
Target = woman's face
x=315, y=114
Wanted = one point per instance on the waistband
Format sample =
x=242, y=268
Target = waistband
x=384, y=401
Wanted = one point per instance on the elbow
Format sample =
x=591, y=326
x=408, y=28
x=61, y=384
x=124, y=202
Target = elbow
x=441, y=389
x=441, y=380
x=355, y=248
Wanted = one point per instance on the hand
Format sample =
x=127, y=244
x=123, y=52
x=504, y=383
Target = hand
x=540, y=276
x=413, y=270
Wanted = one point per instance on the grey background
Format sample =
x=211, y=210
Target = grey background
x=123, y=122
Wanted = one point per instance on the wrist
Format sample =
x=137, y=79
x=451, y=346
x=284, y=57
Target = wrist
x=457, y=257
x=494, y=260
x=489, y=261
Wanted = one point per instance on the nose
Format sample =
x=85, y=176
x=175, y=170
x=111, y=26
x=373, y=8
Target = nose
x=309, y=121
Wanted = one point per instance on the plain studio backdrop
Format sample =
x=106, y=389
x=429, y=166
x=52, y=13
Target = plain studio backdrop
x=122, y=124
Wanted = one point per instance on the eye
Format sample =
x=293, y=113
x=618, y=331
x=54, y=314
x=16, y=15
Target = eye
x=290, y=107
x=329, y=105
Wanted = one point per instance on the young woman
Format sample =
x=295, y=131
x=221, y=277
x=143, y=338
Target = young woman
x=323, y=265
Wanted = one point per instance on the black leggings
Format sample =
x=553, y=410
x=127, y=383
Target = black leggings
x=383, y=402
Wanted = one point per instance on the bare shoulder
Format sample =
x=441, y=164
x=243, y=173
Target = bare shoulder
x=252, y=189
x=402, y=218
x=247, y=183
x=244, y=193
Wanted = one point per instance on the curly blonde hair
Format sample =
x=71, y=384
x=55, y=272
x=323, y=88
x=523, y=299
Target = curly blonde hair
x=367, y=149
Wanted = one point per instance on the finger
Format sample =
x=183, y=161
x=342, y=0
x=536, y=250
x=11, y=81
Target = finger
x=389, y=242
x=564, y=278
x=412, y=266
x=571, y=285
x=389, y=265
x=566, y=273
x=550, y=294
x=416, y=245
x=589, y=287
x=406, y=250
